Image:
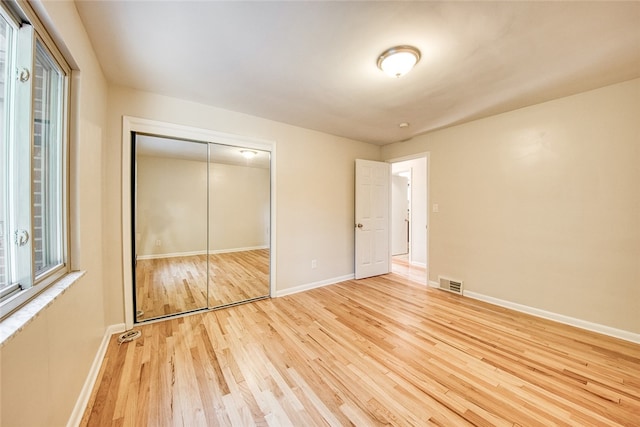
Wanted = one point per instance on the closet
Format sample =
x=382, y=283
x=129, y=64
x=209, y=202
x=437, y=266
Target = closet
x=200, y=219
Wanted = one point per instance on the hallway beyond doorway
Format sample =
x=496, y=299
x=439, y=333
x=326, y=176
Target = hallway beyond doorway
x=400, y=265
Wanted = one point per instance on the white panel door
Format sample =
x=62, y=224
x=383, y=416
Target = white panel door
x=372, y=220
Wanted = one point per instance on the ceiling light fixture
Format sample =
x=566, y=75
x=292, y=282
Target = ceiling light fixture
x=399, y=60
x=248, y=154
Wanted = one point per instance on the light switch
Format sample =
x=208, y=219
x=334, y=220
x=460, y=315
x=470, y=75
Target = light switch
x=436, y=208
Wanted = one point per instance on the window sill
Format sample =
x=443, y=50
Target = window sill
x=13, y=324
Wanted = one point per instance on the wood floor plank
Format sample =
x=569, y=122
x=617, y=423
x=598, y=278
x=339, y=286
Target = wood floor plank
x=376, y=351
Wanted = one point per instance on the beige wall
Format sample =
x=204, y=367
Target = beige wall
x=314, y=188
x=172, y=206
x=45, y=365
x=541, y=206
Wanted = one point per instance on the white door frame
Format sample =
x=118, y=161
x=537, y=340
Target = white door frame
x=426, y=156
x=134, y=124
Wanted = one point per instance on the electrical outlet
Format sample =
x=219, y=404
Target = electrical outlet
x=158, y=242
x=314, y=263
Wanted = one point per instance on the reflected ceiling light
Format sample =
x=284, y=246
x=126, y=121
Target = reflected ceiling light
x=399, y=60
x=248, y=154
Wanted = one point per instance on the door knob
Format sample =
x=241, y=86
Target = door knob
x=359, y=225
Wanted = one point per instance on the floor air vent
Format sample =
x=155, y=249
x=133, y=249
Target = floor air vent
x=450, y=285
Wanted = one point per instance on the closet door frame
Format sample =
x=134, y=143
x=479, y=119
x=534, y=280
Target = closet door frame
x=139, y=125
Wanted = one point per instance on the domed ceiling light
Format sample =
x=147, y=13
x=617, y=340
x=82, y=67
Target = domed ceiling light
x=399, y=60
x=248, y=154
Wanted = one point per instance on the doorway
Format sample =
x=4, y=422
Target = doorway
x=409, y=217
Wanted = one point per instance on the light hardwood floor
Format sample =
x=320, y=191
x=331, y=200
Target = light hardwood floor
x=377, y=351
x=167, y=286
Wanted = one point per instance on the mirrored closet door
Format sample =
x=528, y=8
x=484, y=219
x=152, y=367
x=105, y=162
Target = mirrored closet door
x=201, y=224
x=239, y=219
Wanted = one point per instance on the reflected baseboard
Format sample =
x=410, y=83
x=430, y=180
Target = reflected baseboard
x=228, y=251
x=171, y=255
x=194, y=253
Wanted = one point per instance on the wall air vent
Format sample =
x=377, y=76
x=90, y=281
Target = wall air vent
x=450, y=285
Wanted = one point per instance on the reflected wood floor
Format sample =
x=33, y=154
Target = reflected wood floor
x=238, y=276
x=377, y=351
x=175, y=285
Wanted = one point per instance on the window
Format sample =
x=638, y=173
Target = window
x=6, y=35
x=46, y=163
x=33, y=176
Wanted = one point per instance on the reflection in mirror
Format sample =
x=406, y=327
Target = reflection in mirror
x=170, y=243
x=201, y=225
x=239, y=217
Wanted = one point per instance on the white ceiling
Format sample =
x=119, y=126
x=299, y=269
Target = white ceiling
x=313, y=64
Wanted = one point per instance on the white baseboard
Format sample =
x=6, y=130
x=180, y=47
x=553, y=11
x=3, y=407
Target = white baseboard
x=314, y=285
x=87, y=388
x=561, y=318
